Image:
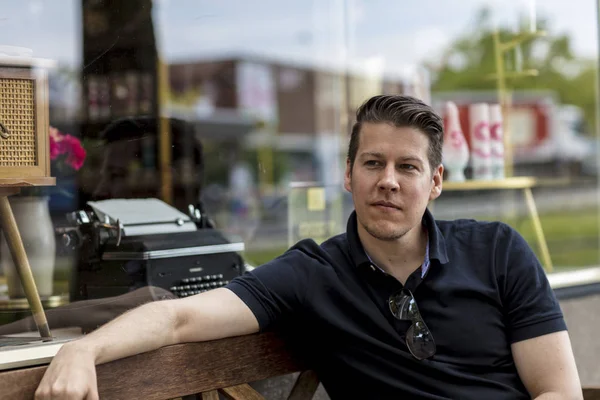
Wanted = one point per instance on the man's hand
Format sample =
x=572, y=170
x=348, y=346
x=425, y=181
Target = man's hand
x=70, y=376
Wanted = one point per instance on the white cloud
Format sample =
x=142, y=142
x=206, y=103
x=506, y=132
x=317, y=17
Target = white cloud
x=35, y=7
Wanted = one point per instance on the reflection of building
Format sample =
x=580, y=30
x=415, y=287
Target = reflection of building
x=64, y=96
x=301, y=107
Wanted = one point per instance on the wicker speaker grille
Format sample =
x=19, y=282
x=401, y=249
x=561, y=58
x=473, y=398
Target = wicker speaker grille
x=17, y=113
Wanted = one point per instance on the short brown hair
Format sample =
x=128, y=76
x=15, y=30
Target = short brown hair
x=400, y=111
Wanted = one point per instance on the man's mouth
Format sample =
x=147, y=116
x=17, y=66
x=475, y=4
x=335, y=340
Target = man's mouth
x=386, y=204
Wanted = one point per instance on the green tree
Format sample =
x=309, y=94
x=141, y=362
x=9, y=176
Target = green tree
x=469, y=62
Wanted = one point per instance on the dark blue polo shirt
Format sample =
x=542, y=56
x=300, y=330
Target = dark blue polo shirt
x=484, y=290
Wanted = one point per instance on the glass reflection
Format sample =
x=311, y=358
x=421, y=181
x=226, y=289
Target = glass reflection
x=230, y=106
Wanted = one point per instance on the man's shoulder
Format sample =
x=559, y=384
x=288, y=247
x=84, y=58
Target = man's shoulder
x=326, y=253
x=472, y=230
x=466, y=224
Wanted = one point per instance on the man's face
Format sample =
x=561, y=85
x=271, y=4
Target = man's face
x=114, y=177
x=391, y=181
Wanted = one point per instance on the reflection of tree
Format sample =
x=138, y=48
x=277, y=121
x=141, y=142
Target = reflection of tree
x=280, y=167
x=217, y=163
x=64, y=92
x=468, y=62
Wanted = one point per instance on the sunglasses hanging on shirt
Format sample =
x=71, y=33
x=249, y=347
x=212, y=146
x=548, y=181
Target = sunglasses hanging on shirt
x=419, y=339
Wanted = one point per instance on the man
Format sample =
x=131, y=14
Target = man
x=132, y=140
x=400, y=306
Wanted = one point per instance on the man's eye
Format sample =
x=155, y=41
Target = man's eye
x=371, y=163
x=408, y=166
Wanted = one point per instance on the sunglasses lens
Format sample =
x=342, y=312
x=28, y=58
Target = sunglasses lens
x=403, y=306
x=420, y=341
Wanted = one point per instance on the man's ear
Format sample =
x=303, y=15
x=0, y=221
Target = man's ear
x=348, y=176
x=436, y=188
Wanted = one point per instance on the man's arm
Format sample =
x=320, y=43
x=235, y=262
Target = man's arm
x=535, y=325
x=92, y=313
x=546, y=366
x=215, y=314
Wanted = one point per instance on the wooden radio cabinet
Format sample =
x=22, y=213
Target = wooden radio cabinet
x=24, y=143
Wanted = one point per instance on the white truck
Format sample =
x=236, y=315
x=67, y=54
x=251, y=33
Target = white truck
x=545, y=134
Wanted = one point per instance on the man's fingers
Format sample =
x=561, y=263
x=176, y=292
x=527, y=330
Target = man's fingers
x=66, y=392
x=92, y=395
x=70, y=376
x=42, y=394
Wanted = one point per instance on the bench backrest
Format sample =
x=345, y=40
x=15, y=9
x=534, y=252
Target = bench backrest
x=204, y=369
x=201, y=369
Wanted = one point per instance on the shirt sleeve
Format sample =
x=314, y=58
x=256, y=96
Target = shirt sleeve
x=530, y=305
x=275, y=289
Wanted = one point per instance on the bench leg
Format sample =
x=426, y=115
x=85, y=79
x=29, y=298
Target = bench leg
x=212, y=395
x=305, y=387
x=241, y=392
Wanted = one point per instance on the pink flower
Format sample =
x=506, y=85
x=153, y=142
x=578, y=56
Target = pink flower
x=76, y=152
x=57, y=144
x=53, y=132
x=54, y=148
x=67, y=145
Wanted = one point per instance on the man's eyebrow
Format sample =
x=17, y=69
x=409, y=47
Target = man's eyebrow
x=411, y=158
x=376, y=154
x=372, y=154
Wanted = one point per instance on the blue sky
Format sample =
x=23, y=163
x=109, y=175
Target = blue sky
x=308, y=31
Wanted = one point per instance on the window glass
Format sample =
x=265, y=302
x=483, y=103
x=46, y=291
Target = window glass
x=228, y=122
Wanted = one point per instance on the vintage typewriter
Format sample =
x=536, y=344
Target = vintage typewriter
x=125, y=244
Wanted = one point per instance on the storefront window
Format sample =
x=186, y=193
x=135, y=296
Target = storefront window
x=228, y=124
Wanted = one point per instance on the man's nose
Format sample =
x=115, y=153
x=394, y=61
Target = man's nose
x=389, y=180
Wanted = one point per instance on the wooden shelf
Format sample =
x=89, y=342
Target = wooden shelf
x=22, y=61
x=21, y=304
x=517, y=182
x=25, y=182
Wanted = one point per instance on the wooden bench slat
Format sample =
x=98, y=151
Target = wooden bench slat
x=241, y=392
x=182, y=370
x=20, y=384
x=305, y=387
x=591, y=393
x=174, y=371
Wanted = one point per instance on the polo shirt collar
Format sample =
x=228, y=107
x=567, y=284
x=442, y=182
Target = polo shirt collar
x=436, y=244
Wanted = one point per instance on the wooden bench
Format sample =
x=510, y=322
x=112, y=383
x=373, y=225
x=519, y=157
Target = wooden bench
x=197, y=370
x=202, y=369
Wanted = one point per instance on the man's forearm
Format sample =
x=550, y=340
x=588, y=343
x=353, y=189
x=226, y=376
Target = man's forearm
x=142, y=329
x=558, y=396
